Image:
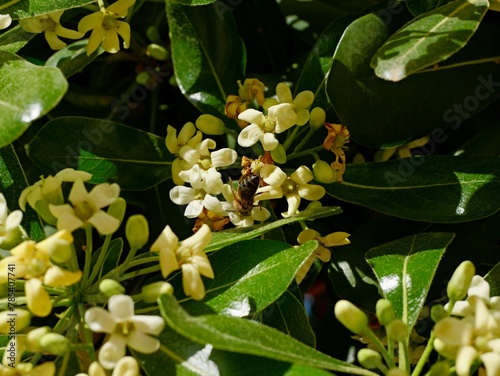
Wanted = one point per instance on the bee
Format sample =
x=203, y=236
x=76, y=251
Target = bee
x=245, y=194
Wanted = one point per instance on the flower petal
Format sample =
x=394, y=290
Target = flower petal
x=302, y=175
x=252, y=116
x=103, y=195
x=181, y=195
x=454, y=332
x=123, y=29
x=99, y=320
x=260, y=214
x=194, y=209
x=121, y=307
x=149, y=324
x=198, y=241
x=168, y=262
x=269, y=141
x=284, y=93
x=223, y=157
x=95, y=40
x=142, y=343
x=167, y=239
x=104, y=223
x=55, y=276
x=491, y=362
x=311, y=192
x=112, y=351
x=53, y=40
x=120, y=7
x=293, y=200
x=111, y=43
x=78, y=192
x=249, y=135
x=38, y=300
x=201, y=261
x=91, y=21
x=273, y=175
x=191, y=282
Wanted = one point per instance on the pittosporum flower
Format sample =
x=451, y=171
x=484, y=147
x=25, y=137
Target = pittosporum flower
x=258, y=213
x=300, y=103
x=86, y=208
x=196, y=200
x=10, y=234
x=50, y=26
x=106, y=27
x=187, y=136
x=124, y=329
x=252, y=89
x=189, y=256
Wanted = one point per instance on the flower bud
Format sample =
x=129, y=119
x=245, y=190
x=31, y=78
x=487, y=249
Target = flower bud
x=438, y=312
x=54, y=343
x=317, y=118
x=153, y=34
x=33, y=338
x=14, y=322
x=385, y=312
x=397, y=330
x=117, y=209
x=369, y=359
x=137, y=231
x=210, y=125
x=323, y=173
x=158, y=52
x=142, y=78
x=460, y=281
x=110, y=287
x=150, y=293
x=279, y=154
x=351, y=316
x=439, y=369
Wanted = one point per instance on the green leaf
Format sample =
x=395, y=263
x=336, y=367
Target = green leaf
x=31, y=8
x=104, y=149
x=405, y=269
x=493, y=278
x=440, y=189
x=27, y=92
x=12, y=183
x=288, y=315
x=207, y=53
x=249, y=276
x=380, y=113
x=247, y=337
x=417, y=7
x=14, y=39
x=225, y=238
x=428, y=39
x=193, y=2
x=72, y=58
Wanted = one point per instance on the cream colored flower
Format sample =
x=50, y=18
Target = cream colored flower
x=293, y=187
x=187, y=136
x=126, y=366
x=196, y=200
x=5, y=21
x=50, y=26
x=258, y=212
x=15, y=367
x=124, y=329
x=189, y=256
x=10, y=234
x=300, y=103
x=86, y=208
x=106, y=27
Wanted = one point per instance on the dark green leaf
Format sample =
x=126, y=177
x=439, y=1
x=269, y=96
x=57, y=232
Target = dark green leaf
x=30, y=8
x=72, y=58
x=193, y=2
x=493, y=278
x=417, y=7
x=247, y=337
x=12, y=183
x=428, y=39
x=405, y=269
x=441, y=189
x=249, y=276
x=110, y=151
x=484, y=143
x=288, y=315
x=225, y=238
x=208, y=54
x=381, y=113
x=14, y=39
x=27, y=92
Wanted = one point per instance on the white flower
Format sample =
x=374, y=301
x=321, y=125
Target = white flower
x=124, y=329
x=196, y=200
x=293, y=188
x=258, y=212
x=5, y=21
x=300, y=103
x=126, y=366
x=189, y=256
x=9, y=224
x=187, y=136
x=86, y=208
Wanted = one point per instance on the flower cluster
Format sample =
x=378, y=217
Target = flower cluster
x=10, y=234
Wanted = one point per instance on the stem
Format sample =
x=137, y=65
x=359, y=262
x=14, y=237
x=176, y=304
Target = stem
x=144, y=261
x=304, y=153
x=404, y=362
x=87, y=333
x=9, y=4
x=291, y=137
x=129, y=258
x=137, y=273
x=60, y=324
x=88, y=257
x=304, y=140
x=64, y=365
x=100, y=260
x=493, y=59
x=388, y=360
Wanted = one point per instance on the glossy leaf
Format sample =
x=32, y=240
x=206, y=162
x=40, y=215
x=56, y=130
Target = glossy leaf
x=207, y=53
x=247, y=337
x=193, y=2
x=417, y=7
x=14, y=39
x=405, y=269
x=102, y=148
x=441, y=189
x=27, y=92
x=72, y=58
x=30, y=8
x=249, y=276
x=493, y=278
x=428, y=39
x=225, y=238
x=12, y=183
x=288, y=315
x=382, y=113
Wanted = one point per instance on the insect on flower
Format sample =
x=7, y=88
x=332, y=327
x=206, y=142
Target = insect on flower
x=244, y=195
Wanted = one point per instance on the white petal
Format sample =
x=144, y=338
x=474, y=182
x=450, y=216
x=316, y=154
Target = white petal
x=252, y=116
x=284, y=93
x=480, y=288
x=249, y=135
x=260, y=214
x=461, y=308
x=103, y=195
x=181, y=195
x=126, y=366
x=78, y=192
x=240, y=220
x=212, y=203
x=168, y=262
x=149, y=324
x=268, y=193
x=311, y=192
x=200, y=259
x=302, y=175
x=273, y=175
x=5, y=21
x=194, y=209
x=223, y=157
x=189, y=154
x=112, y=351
x=198, y=241
x=304, y=99
x=284, y=116
x=465, y=356
x=293, y=200
x=454, y=332
x=143, y=343
x=121, y=307
x=269, y=141
x=104, y=223
x=99, y=320
x=491, y=362
x=192, y=282
x=13, y=220
x=213, y=181
x=167, y=239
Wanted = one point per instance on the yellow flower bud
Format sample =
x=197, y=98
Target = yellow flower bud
x=137, y=231
x=323, y=173
x=317, y=118
x=279, y=154
x=158, y=52
x=33, y=338
x=54, y=343
x=438, y=312
x=369, y=359
x=440, y=369
x=110, y=287
x=15, y=321
x=351, y=317
x=150, y=293
x=460, y=281
x=117, y=209
x=210, y=125
x=385, y=312
x=153, y=34
x=397, y=330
